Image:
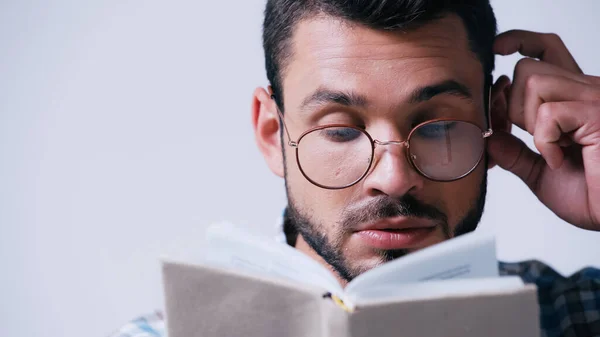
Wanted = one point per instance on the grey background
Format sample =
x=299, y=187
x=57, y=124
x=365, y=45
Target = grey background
x=125, y=130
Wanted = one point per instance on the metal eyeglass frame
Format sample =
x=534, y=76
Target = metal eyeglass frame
x=374, y=142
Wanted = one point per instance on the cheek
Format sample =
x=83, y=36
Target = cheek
x=322, y=206
x=459, y=197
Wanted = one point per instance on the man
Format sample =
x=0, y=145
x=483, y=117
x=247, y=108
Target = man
x=383, y=118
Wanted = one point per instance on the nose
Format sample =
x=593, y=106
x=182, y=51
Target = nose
x=391, y=172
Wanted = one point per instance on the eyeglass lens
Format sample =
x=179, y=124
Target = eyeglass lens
x=336, y=157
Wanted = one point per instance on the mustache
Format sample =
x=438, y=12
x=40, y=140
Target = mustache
x=388, y=207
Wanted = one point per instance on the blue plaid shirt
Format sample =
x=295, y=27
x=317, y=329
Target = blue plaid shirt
x=569, y=306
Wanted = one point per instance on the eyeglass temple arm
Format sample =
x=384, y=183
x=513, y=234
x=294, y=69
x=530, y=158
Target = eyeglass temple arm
x=290, y=142
x=490, y=130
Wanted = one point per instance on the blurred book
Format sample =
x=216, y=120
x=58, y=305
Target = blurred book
x=245, y=285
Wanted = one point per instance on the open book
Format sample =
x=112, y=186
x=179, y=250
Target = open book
x=244, y=285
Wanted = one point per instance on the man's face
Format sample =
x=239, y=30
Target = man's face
x=385, y=70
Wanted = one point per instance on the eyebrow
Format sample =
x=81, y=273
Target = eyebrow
x=449, y=87
x=324, y=96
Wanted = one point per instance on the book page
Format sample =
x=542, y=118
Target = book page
x=471, y=255
x=201, y=301
x=436, y=289
x=236, y=249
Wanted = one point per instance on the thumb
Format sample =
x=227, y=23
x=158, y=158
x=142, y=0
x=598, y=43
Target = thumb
x=512, y=154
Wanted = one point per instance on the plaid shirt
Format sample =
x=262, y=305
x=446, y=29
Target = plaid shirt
x=569, y=307
x=146, y=326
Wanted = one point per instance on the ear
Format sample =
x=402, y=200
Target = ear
x=499, y=108
x=265, y=121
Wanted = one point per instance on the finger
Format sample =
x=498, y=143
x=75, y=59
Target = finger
x=565, y=141
x=547, y=88
x=592, y=79
x=525, y=69
x=554, y=121
x=578, y=120
x=545, y=47
x=511, y=154
x=581, y=122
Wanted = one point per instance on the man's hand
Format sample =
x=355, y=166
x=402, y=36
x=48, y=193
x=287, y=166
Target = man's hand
x=560, y=106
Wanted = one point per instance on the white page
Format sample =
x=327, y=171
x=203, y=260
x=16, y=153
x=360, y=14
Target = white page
x=237, y=249
x=437, y=289
x=471, y=255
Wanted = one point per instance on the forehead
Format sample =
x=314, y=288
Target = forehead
x=385, y=66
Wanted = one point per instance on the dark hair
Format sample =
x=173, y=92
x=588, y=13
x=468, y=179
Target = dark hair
x=282, y=16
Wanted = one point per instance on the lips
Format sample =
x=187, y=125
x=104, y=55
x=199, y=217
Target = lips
x=396, y=233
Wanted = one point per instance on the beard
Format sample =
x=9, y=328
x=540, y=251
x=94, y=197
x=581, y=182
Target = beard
x=330, y=248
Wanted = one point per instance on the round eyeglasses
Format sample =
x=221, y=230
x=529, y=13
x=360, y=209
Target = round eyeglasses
x=338, y=156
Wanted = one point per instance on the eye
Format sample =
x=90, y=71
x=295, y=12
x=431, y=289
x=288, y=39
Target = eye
x=341, y=134
x=435, y=130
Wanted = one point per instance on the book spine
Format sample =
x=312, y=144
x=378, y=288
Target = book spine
x=345, y=305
